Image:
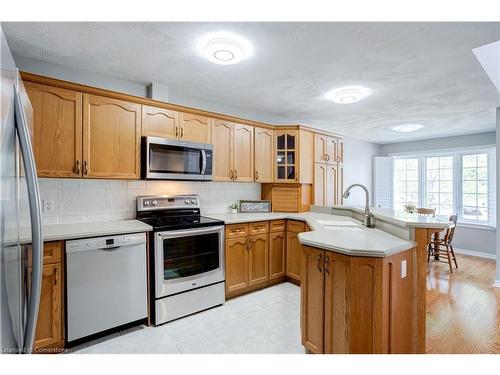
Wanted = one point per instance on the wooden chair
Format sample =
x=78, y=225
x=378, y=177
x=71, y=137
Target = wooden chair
x=438, y=245
x=426, y=211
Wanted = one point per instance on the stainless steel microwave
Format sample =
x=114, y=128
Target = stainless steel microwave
x=169, y=159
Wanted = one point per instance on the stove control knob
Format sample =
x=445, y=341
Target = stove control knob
x=193, y=201
x=186, y=201
x=146, y=203
x=154, y=203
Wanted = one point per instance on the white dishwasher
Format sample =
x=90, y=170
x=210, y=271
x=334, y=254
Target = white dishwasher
x=106, y=283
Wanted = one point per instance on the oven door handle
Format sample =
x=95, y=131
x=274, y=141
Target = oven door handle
x=182, y=233
x=203, y=161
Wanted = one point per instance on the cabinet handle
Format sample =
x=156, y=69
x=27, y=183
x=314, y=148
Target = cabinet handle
x=338, y=159
x=182, y=132
x=327, y=259
x=235, y=174
x=256, y=175
x=231, y=174
x=327, y=157
x=85, y=169
x=318, y=261
x=77, y=169
x=176, y=132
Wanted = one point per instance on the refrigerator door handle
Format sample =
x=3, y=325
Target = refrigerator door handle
x=36, y=221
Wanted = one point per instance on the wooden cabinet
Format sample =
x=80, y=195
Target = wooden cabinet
x=258, y=250
x=57, y=130
x=288, y=197
x=312, y=299
x=195, y=128
x=236, y=264
x=277, y=255
x=327, y=189
x=111, y=138
x=327, y=149
x=243, y=153
x=294, y=156
x=49, y=334
x=320, y=148
x=160, y=122
x=357, y=304
x=223, y=150
x=263, y=154
x=233, y=152
x=293, y=256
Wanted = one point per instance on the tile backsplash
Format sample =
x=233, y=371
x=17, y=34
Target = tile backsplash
x=81, y=200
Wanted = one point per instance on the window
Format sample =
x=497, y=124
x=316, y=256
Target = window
x=439, y=184
x=460, y=182
x=405, y=182
x=475, y=187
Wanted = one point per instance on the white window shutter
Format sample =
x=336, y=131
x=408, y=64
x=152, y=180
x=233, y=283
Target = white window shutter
x=382, y=181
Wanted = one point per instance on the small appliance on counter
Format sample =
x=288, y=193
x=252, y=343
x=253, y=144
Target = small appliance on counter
x=186, y=257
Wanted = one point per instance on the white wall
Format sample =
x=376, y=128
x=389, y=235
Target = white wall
x=471, y=140
x=466, y=238
x=81, y=200
x=358, y=168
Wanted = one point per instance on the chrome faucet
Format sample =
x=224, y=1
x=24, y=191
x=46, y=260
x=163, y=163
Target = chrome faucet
x=368, y=222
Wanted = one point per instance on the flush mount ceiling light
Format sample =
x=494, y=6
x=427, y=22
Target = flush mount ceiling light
x=348, y=94
x=224, y=48
x=407, y=128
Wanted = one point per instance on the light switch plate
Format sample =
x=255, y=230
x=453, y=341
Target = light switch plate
x=48, y=206
x=403, y=269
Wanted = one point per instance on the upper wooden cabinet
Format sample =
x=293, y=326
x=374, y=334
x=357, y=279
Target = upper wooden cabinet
x=294, y=156
x=327, y=184
x=160, y=122
x=263, y=155
x=57, y=130
x=195, y=128
x=243, y=153
x=233, y=151
x=111, y=138
x=328, y=149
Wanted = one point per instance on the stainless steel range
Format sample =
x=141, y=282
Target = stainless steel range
x=187, y=257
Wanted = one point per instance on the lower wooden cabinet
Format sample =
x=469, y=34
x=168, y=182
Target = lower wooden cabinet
x=258, y=250
x=277, y=255
x=236, y=264
x=357, y=304
x=49, y=335
x=293, y=256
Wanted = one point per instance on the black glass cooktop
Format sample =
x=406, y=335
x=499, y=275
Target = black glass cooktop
x=173, y=222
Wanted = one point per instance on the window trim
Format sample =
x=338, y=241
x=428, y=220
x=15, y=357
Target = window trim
x=457, y=154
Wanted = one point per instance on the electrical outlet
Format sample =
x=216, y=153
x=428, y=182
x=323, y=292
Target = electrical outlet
x=403, y=269
x=48, y=206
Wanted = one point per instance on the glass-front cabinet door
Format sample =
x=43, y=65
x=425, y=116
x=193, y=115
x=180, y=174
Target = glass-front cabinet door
x=286, y=156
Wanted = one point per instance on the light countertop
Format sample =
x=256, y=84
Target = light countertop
x=401, y=218
x=58, y=232
x=345, y=236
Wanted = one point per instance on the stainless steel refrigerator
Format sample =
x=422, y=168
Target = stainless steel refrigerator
x=20, y=215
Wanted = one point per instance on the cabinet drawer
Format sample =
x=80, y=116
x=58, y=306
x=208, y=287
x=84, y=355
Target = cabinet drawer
x=295, y=226
x=51, y=253
x=236, y=230
x=278, y=225
x=259, y=227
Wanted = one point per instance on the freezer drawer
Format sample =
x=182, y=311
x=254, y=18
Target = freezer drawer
x=106, y=283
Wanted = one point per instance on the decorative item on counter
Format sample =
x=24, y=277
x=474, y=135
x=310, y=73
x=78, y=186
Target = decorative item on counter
x=255, y=206
x=234, y=207
x=410, y=208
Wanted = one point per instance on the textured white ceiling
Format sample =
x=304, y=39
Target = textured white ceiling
x=421, y=73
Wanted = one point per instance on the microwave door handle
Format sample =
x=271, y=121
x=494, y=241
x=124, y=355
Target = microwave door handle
x=36, y=221
x=203, y=161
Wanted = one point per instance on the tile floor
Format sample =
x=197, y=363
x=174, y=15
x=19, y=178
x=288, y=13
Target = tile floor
x=266, y=321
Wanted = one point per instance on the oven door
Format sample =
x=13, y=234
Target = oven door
x=176, y=160
x=188, y=259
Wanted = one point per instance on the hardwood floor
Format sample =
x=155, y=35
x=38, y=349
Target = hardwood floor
x=463, y=309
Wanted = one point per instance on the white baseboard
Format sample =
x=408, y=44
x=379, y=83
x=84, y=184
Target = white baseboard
x=478, y=254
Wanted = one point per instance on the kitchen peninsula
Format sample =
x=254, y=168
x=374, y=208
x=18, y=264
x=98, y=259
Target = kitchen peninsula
x=361, y=287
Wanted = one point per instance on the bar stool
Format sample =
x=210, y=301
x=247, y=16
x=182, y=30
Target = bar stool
x=438, y=245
